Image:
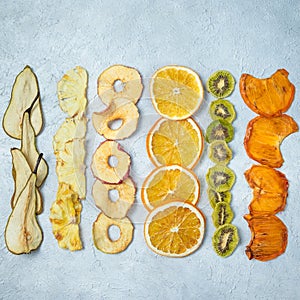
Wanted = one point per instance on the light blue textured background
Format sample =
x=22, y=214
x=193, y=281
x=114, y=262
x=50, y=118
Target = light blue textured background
x=256, y=37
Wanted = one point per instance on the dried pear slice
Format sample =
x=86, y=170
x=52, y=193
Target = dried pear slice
x=25, y=93
x=65, y=218
x=23, y=233
x=130, y=78
x=270, y=190
x=101, y=237
x=120, y=109
x=264, y=136
x=71, y=91
x=70, y=166
x=71, y=128
x=269, y=237
x=268, y=97
x=28, y=148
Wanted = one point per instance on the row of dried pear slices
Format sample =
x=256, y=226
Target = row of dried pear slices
x=69, y=149
x=111, y=164
x=23, y=120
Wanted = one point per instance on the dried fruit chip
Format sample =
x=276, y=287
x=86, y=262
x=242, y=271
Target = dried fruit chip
x=220, y=178
x=169, y=183
x=71, y=91
x=65, y=218
x=222, y=109
x=270, y=190
x=120, y=109
x=176, y=92
x=175, y=229
x=222, y=214
x=131, y=81
x=175, y=142
x=268, y=237
x=268, y=97
x=219, y=130
x=103, y=165
x=216, y=197
x=264, y=136
x=116, y=209
x=101, y=237
x=219, y=152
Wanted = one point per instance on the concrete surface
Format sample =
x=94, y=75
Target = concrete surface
x=256, y=36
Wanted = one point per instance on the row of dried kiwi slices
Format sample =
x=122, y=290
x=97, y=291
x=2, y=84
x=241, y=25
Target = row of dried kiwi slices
x=220, y=178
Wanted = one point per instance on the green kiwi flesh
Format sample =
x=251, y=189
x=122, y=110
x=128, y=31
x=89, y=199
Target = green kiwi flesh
x=220, y=153
x=225, y=240
x=222, y=214
x=216, y=197
x=222, y=109
x=220, y=178
x=220, y=84
x=219, y=130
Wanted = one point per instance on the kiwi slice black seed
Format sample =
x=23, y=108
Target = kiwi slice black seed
x=225, y=240
x=220, y=178
x=220, y=153
x=222, y=109
x=220, y=84
x=222, y=214
x=219, y=130
x=216, y=197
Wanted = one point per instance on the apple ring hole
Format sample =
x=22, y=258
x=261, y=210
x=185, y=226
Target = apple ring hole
x=115, y=124
x=118, y=86
x=113, y=195
x=114, y=233
x=113, y=161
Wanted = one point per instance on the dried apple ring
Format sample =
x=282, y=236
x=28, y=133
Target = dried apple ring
x=101, y=237
x=114, y=209
x=132, y=86
x=120, y=109
x=103, y=164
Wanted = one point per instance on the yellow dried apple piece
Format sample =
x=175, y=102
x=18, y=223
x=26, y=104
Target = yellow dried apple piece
x=71, y=90
x=131, y=81
x=120, y=109
x=114, y=209
x=101, y=237
x=25, y=94
x=65, y=218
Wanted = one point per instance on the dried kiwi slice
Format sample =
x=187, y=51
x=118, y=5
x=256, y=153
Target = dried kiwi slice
x=222, y=109
x=220, y=153
x=220, y=84
x=220, y=178
x=216, y=197
x=219, y=130
x=222, y=214
x=225, y=240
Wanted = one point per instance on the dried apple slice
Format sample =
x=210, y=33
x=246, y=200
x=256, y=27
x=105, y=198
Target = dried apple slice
x=25, y=93
x=23, y=233
x=268, y=97
x=28, y=148
x=65, y=218
x=114, y=209
x=120, y=109
x=270, y=190
x=71, y=90
x=103, y=164
x=268, y=237
x=264, y=136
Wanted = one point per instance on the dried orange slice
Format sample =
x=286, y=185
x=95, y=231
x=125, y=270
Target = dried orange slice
x=268, y=237
x=264, y=136
x=170, y=183
x=270, y=190
x=175, y=229
x=268, y=97
x=175, y=143
x=176, y=92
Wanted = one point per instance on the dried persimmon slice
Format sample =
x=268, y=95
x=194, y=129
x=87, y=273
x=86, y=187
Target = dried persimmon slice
x=264, y=136
x=270, y=190
x=269, y=237
x=270, y=96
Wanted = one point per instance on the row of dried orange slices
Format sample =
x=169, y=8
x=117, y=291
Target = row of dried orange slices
x=175, y=226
